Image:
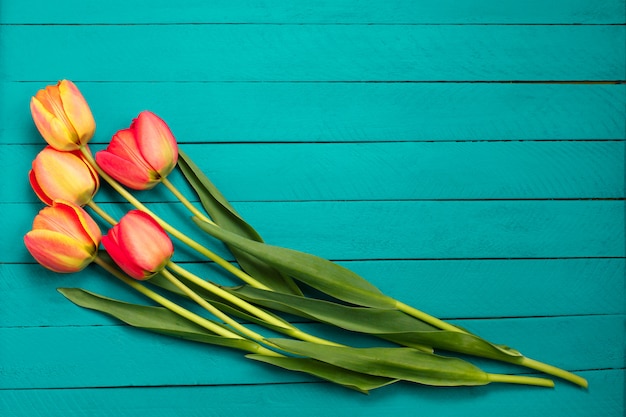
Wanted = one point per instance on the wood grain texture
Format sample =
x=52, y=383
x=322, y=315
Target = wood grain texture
x=341, y=112
x=444, y=288
x=314, y=12
x=65, y=354
x=270, y=53
x=302, y=399
x=418, y=171
x=402, y=229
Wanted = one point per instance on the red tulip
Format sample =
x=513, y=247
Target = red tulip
x=64, y=237
x=62, y=116
x=141, y=156
x=65, y=176
x=138, y=245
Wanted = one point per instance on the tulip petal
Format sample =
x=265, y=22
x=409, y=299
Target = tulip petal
x=44, y=97
x=58, y=252
x=143, y=239
x=156, y=142
x=81, y=218
x=125, y=171
x=64, y=175
x=37, y=189
x=51, y=98
x=53, y=131
x=124, y=145
x=89, y=225
x=120, y=256
x=77, y=110
x=70, y=220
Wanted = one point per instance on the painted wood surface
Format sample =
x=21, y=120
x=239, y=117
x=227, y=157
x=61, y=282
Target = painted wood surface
x=261, y=52
x=316, y=11
x=346, y=111
x=466, y=157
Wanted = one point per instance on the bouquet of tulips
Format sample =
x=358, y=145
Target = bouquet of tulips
x=276, y=282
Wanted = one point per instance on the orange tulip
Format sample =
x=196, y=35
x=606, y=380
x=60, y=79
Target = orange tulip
x=63, y=175
x=64, y=237
x=62, y=116
x=141, y=156
x=138, y=245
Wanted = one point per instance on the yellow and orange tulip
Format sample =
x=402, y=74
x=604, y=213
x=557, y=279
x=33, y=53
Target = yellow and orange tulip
x=63, y=175
x=138, y=245
x=141, y=156
x=62, y=116
x=64, y=238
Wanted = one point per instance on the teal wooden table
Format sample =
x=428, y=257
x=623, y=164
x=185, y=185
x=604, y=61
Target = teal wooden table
x=466, y=157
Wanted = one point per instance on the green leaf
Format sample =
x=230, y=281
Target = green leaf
x=349, y=379
x=392, y=325
x=154, y=319
x=396, y=363
x=373, y=321
x=466, y=343
x=163, y=321
x=358, y=319
x=319, y=273
x=223, y=214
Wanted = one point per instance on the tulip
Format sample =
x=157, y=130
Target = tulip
x=62, y=116
x=64, y=237
x=141, y=156
x=138, y=245
x=63, y=175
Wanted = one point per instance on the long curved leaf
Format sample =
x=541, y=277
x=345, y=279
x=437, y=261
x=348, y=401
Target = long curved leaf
x=397, y=363
x=358, y=319
x=163, y=321
x=349, y=379
x=319, y=273
x=389, y=324
x=223, y=214
x=154, y=319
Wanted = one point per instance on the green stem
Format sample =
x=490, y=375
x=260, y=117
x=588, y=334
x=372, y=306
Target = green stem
x=173, y=231
x=427, y=318
x=279, y=325
x=523, y=361
x=211, y=308
x=98, y=210
x=175, y=308
x=522, y=380
x=185, y=201
x=553, y=370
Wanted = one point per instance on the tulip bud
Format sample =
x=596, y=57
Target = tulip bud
x=138, y=245
x=64, y=176
x=141, y=156
x=62, y=116
x=64, y=237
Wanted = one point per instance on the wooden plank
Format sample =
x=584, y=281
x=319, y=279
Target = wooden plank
x=313, y=12
x=315, y=53
x=403, y=229
x=365, y=171
x=75, y=357
x=446, y=289
x=286, y=400
x=340, y=112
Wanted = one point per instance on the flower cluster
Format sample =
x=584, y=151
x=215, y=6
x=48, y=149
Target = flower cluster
x=138, y=250
x=64, y=237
